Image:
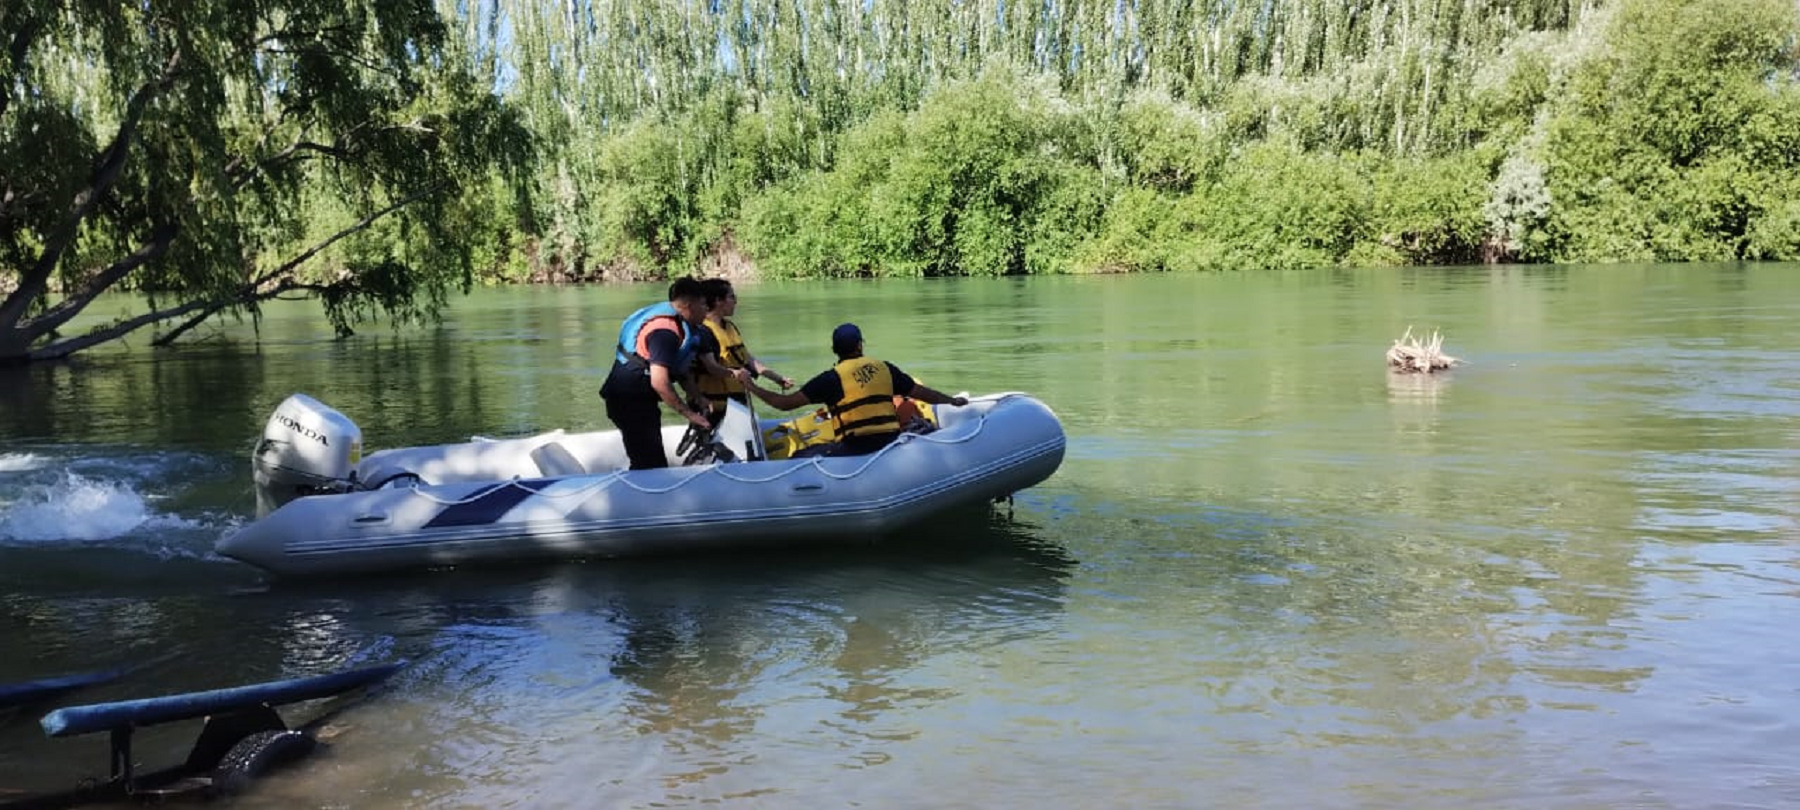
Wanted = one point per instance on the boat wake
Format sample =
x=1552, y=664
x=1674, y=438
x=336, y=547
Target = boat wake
x=48, y=503
x=20, y=462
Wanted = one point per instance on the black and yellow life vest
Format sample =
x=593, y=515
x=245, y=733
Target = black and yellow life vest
x=732, y=354
x=867, y=408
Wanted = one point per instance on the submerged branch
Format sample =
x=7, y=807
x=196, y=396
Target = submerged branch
x=64, y=348
x=1409, y=355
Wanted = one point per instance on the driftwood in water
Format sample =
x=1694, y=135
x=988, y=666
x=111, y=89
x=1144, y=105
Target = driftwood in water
x=1410, y=356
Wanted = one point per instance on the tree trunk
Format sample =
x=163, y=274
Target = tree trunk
x=107, y=167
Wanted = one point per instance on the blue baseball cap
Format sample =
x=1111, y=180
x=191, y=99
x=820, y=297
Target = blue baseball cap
x=845, y=337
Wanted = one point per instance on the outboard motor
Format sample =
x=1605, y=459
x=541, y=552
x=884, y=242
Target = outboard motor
x=307, y=448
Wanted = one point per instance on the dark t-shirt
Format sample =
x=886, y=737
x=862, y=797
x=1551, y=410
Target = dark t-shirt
x=827, y=388
x=665, y=349
x=632, y=382
x=707, y=343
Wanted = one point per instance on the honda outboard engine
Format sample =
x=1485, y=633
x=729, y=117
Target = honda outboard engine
x=307, y=448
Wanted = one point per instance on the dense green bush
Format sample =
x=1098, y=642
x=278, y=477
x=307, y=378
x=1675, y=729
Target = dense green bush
x=949, y=190
x=1277, y=206
x=1679, y=142
x=1426, y=211
x=1417, y=133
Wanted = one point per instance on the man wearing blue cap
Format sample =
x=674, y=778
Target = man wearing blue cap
x=859, y=391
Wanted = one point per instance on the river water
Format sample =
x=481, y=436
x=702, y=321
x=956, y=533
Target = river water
x=1268, y=574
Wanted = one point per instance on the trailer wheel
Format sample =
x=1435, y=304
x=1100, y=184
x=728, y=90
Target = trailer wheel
x=256, y=755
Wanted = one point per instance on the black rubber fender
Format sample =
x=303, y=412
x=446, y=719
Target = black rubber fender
x=257, y=755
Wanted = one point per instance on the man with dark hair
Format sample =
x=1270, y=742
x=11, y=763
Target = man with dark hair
x=859, y=391
x=725, y=361
x=654, y=352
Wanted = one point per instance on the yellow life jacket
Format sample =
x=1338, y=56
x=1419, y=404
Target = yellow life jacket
x=732, y=354
x=787, y=439
x=867, y=408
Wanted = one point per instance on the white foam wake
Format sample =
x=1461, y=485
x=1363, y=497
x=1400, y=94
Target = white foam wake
x=75, y=508
x=20, y=462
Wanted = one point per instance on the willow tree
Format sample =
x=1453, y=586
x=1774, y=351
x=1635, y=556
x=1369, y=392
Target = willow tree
x=182, y=151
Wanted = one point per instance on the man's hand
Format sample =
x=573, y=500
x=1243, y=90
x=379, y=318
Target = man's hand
x=742, y=375
x=782, y=380
x=698, y=419
x=959, y=401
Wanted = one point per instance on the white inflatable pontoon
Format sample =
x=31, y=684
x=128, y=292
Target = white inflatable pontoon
x=568, y=495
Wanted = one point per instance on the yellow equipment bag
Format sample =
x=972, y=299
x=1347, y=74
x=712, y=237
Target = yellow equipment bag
x=799, y=433
x=816, y=428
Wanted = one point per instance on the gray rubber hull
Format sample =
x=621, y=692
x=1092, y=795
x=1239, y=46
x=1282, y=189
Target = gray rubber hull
x=989, y=449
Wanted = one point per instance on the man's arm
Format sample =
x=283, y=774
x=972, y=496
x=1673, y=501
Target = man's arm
x=782, y=401
x=760, y=369
x=664, y=348
x=905, y=385
x=932, y=396
x=662, y=382
x=690, y=386
x=710, y=363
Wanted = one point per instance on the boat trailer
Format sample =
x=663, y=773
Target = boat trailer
x=242, y=738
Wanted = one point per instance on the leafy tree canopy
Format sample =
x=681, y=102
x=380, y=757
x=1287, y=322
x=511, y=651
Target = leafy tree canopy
x=203, y=152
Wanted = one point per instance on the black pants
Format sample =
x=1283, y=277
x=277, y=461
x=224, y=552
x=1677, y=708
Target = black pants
x=863, y=445
x=640, y=424
x=715, y=405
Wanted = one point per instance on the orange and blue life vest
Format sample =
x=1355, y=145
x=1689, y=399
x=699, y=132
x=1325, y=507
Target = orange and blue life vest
x=632, y=348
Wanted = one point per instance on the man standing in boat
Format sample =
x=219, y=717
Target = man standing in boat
x=859, y=391
x=655, y=351
x=722, y=342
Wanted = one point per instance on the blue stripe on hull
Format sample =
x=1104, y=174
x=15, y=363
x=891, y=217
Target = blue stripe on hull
x=487, y=504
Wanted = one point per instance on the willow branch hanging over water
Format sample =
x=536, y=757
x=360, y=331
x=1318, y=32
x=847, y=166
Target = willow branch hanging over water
x=183, y=150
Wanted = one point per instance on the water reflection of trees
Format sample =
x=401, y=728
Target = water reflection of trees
x=676, y=665
x=853, y=623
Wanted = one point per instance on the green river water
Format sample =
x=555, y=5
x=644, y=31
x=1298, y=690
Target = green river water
x=1268, y=574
